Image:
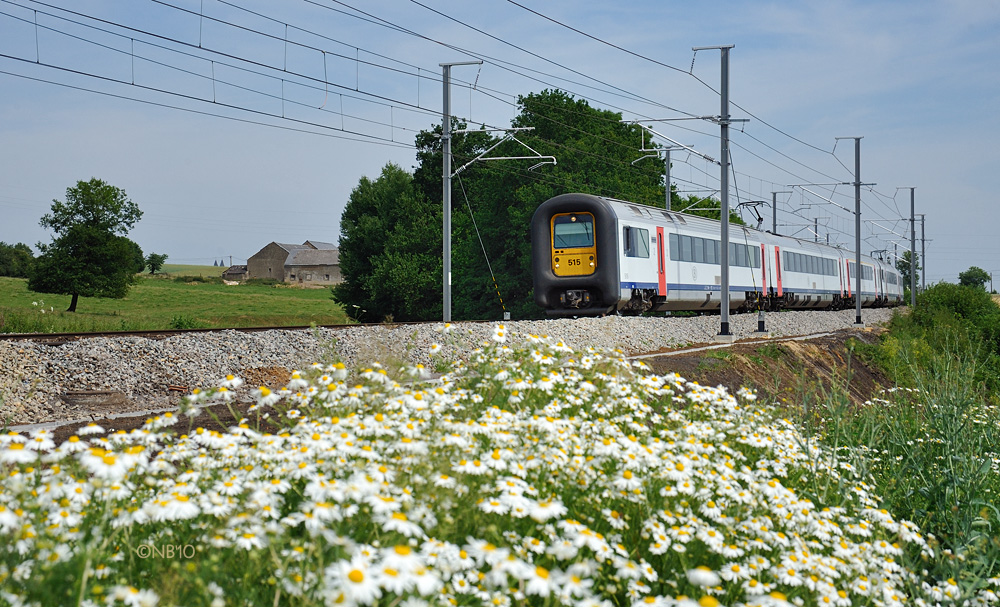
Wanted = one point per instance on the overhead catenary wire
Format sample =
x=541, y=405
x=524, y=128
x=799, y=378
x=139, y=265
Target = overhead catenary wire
x=325, y=52
x=689, y=72
x=205, y=48
x=204, y=113
x=325, y=84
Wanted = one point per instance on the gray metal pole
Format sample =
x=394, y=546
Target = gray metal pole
x=913, y=252
x=857, y=228
x=446, y=177
x=446, y=183
x=923, y=256
x=724, y=332
x=815, y=229
x=774, y=212
x=724, y=186
x=668, y=177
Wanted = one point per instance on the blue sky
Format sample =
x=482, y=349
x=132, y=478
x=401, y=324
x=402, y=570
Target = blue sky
x=918, y=80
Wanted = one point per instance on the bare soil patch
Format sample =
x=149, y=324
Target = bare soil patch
x=784, y=371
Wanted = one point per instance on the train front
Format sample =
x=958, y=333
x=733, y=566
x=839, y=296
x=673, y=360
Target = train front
x=574, y=265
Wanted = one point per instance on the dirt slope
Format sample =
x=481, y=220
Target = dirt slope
x=787, y=370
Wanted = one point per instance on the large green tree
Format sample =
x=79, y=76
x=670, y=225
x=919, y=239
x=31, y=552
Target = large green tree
x=390, y=250
x=16, y=260
x=89, y=255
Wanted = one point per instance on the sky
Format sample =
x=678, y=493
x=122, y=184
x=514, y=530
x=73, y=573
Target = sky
x=234, y=124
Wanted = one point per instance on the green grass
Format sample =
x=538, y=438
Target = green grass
x=162, y=303
x=931, y=448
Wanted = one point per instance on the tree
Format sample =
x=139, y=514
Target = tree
x=16, y=260
x=89, y=254
x=390, y=250
x=155, y=261
x=138, y=259
x=974, y=277
x=903, y=265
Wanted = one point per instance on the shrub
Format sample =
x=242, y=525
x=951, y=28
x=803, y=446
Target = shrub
x=262, y=282
x=215, y=280
x=184, y=322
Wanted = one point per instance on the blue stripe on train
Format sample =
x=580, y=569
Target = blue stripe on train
x=709, y=288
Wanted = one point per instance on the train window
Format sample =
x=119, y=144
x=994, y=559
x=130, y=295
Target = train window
x=573, y=230
x=698, y=252
x=636, y=242
x=706, y=250
x=866, y=271
x=743, y=256
x=805, y=264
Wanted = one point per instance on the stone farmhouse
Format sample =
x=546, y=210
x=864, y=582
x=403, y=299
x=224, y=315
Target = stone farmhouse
x=311, y=263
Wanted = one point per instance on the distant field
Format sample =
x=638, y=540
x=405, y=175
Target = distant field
x=182, y=270
x=162, y=303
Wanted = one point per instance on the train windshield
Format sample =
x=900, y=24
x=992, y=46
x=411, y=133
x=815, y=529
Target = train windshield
x=573, y=230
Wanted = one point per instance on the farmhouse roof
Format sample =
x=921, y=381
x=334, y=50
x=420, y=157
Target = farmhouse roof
x=325, y=246
x=292, y=247
x=313, y=257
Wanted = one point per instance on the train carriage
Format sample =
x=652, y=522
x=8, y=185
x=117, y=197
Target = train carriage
x=593, y=255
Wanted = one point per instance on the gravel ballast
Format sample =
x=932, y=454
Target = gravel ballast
x=41, y=383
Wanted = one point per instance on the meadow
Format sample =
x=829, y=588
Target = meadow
x=526, y=474
x=168, y=301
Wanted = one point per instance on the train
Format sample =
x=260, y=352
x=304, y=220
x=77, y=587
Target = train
x=593, y=255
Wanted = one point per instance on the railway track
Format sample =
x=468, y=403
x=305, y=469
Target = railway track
x=58, y=339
